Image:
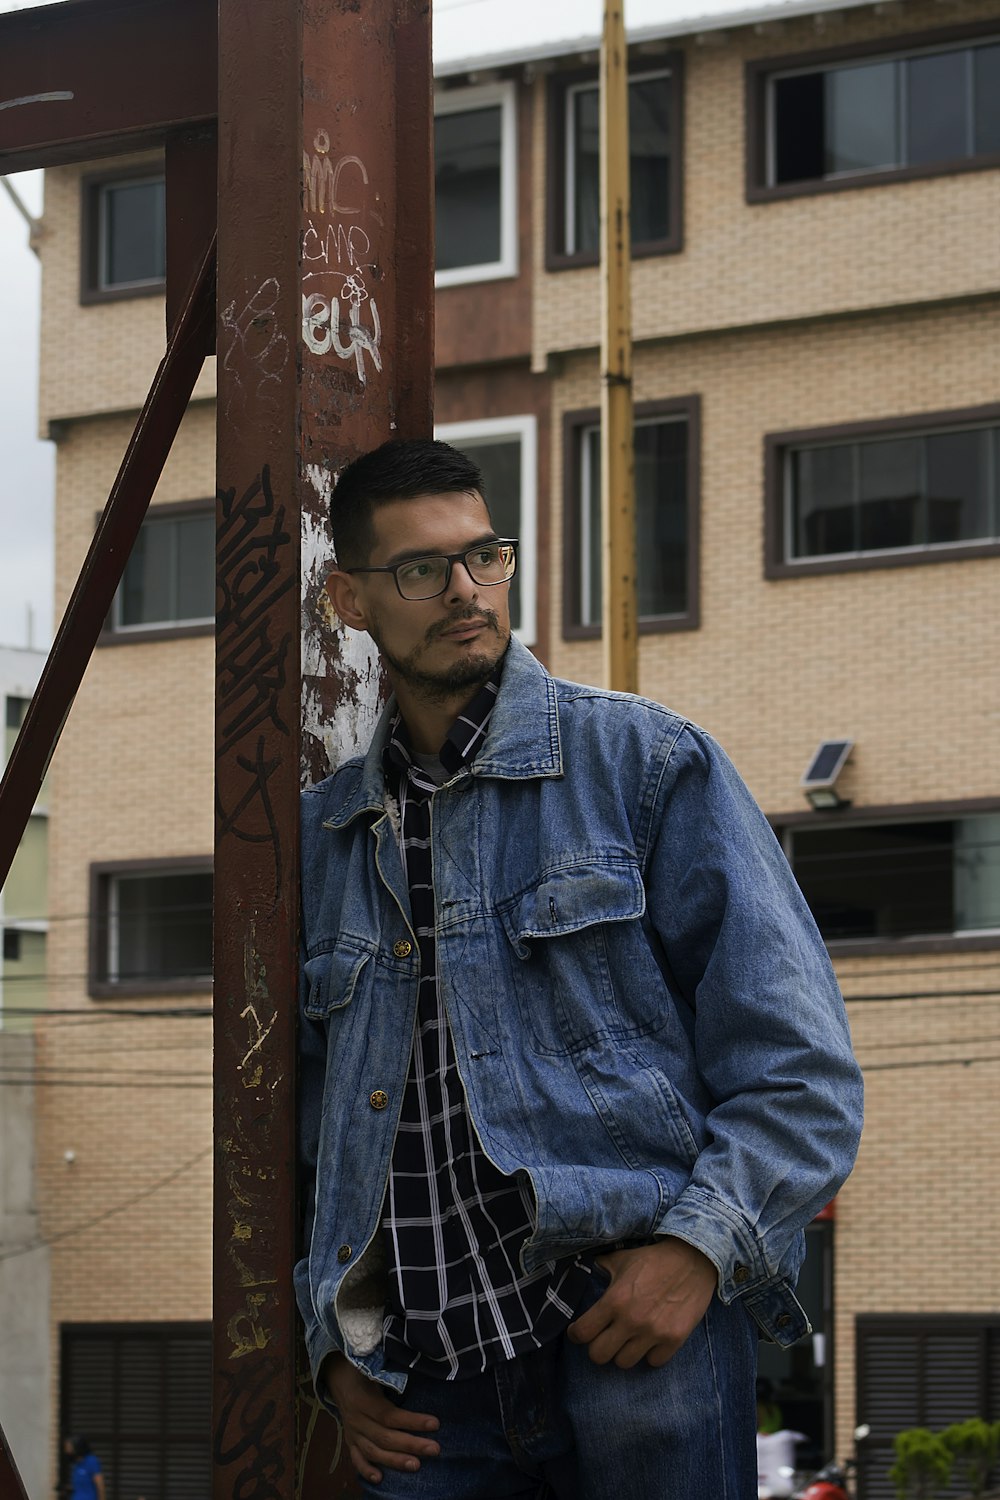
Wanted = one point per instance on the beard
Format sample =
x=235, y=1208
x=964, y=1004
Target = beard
x=470, y=671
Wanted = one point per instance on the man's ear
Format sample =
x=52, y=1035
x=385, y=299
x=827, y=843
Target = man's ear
x=343, y=595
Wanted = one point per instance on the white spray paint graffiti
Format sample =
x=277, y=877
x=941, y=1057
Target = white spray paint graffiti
x=333, y=249
x=353, y=724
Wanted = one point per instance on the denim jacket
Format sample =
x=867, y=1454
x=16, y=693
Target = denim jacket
x=645, y=1018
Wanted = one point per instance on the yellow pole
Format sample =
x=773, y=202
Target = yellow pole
x=618, y=561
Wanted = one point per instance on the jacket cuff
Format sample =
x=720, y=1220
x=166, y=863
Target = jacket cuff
x=724, y=1236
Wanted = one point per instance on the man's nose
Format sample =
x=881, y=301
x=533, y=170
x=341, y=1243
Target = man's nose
x=461, y=584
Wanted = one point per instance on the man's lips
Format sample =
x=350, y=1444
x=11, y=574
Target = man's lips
x=466, y=629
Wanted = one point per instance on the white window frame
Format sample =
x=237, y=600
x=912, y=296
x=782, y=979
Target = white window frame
x=569, y=133
x=525, y=428
x=103, y=189
x=485, y=96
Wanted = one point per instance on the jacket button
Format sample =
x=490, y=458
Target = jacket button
x=784, y=1320
x=741, y=1273
x=344, y=1254
x=402, y=949
x=379, y=1099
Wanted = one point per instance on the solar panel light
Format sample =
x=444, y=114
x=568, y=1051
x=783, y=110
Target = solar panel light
x=824, y=768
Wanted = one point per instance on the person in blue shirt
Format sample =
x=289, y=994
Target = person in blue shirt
x=86, y=1478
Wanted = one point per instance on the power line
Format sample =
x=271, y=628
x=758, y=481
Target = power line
x=110, y=1212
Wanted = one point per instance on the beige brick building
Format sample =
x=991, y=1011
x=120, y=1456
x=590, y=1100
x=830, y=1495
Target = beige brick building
x=817, y=318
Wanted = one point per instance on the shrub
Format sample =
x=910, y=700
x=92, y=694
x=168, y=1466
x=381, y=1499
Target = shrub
x=974, y=1446
x=923, y=1464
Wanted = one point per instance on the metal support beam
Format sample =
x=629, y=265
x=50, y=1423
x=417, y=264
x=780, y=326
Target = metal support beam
x=102, y=570
x=325, y=349
x=90, y=78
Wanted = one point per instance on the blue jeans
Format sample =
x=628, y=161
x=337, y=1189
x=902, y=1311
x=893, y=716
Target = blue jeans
x=551, y=1425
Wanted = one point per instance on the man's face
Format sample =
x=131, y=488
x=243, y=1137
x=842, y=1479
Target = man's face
x=443, y=645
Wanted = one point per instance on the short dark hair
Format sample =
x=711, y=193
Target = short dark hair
x=404, y=469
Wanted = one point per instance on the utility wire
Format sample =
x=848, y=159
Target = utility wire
x=108, y=1213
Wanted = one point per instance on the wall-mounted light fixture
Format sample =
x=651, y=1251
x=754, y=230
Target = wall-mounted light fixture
x=824, y=768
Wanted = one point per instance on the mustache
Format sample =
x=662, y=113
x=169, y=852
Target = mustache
x=469, y=613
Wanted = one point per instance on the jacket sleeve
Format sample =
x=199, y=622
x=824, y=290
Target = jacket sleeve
x=771, y=1037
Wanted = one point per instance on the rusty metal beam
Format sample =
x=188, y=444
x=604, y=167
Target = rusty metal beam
x=324, y=349
x=90, y=78
x=102, y=570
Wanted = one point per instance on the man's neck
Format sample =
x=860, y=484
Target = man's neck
x=429, y=720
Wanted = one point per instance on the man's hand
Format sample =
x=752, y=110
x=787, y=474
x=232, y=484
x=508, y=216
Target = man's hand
x=375, y=1430
x=658, y=1295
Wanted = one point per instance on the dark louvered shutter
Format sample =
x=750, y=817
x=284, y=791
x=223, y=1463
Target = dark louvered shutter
x=917, y=1371
x=142, y=1395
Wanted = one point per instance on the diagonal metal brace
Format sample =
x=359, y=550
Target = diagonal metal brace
x=109, y=551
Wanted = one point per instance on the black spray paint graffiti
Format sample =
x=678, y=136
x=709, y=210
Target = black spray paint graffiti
x=252, y=662
x=247, y=1431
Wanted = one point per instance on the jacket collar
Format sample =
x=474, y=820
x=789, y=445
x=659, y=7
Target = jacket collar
x=523, y=740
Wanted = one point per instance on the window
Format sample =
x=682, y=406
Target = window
x=505, y=448
x=921, y=1371
x=475, y=184
x=885, y=882
x=666, y=489
x=16, y=708
x=844, y=117
x=168, y=586
x=913, y=490
x=124, y=235
x=143, y=1396
x=151, y=927
x=654, y=156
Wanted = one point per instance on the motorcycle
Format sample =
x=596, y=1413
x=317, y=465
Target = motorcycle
x=830, y=1482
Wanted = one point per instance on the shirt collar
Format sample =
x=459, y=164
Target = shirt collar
x=463, y=740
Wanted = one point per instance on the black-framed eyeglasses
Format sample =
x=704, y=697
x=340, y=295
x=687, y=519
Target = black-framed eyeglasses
x=426, y=577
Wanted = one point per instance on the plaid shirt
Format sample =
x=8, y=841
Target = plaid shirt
x=454, y=1223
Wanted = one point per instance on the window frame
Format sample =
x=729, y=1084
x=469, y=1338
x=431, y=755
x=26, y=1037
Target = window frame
x=575, y=423
x=99, y=985
x=452, y=101
x=92, y=186
x=759, y=119
x=776, y=446
x=560, y=85
x=525, y=428
x=119, y=635
x=900, y=812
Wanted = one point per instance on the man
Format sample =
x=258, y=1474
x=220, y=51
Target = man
x=575, y=1068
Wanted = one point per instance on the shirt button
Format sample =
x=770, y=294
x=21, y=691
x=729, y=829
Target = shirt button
x=741, y=1274
x=402, y=949
x=344, y=1254
x=379, y=1099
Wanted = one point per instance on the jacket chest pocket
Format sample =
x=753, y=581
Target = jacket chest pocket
x=332, y=981
x=566, y=964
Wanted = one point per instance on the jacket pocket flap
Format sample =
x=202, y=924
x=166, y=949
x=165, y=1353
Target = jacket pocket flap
x=330, y=980
x=575, y=896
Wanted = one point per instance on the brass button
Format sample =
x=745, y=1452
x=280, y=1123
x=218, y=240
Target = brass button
x=344, y=1254
x=402, y=949
x=379, y=1099
x=741, y=1274
x=784, y=1320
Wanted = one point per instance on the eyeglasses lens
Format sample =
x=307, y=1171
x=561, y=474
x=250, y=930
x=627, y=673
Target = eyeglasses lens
x=426, y=577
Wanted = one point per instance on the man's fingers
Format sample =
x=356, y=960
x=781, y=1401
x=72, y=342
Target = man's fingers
x=386, y=1458
x=393, y=1440
x=362, y=1465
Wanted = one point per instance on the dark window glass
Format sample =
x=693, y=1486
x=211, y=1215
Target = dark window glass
x=649, y=102
x=150, y=1429
x=824, y=513
x=133, y=233
x=11, y=945
x=928, y=490
x=661, y=507
x=861, y=118
x=500, y=462
x=467, y=175
x=986, y=76
x=850, y=119
x=898, y=880
x=170, y=575
x=936, y=115
x=16, y=710
x=159, y=926
x=798, y=128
